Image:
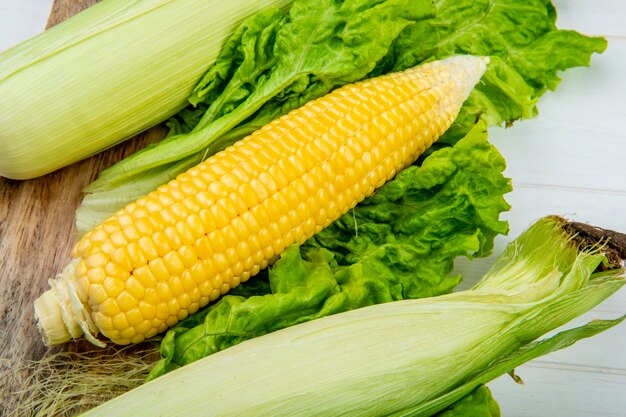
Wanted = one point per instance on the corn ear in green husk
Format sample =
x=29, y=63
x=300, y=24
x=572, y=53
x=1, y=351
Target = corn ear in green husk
x=105, y=75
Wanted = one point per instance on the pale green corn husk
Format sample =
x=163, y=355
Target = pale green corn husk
x=412, y=357
x=105, y=75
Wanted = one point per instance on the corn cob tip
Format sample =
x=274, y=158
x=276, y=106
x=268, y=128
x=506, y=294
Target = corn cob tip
x=467, y=70
x=60, y=315
x=49, y=319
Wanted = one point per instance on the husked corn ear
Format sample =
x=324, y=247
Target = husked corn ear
x=173, y=251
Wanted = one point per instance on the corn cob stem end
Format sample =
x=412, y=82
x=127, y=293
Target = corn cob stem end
x=61, y=316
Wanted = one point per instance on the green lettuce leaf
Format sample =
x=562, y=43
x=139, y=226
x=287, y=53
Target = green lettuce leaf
x=526, y=48
x=266, y=70
x=479, y=403
x=400, y=243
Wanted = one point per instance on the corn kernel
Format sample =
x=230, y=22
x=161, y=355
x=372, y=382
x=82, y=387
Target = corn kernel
x=143, y=328
x=221, y=262
x=248, y=195
x=134, y=317
x=179, y=211
x=250, y=223
x=242, y=249
x=208, y=222
x=214, y=295
x=268, y=252
x=248, y=263
x=191, y=206
x=137, y=211
x=193, y=308
x=173, y=307
x=194, y=222
x=176, y=287
x=165, y=216
x=109, y=307
x=202, y=270
x=219, y=216
x=187, y=186
x=173, y=239
x=184, y=232
x=151, y=333
x=228, y=181
x=218, y=243
x=259, y=189
x=257, y=267
x=144, y=276
x=118, y=238
x=202, y=247
x=163, y=290
x=224, y=288
x=204, y=199
x=182, y=315
x=160, y=243
x=147, y=310
x=96, y=275
x=126, y=301
x=205, y=288
x=102, y=321
x=134, y=287
x=97, y=260
x=82, y=248
x=119, y=322
x=235, y=282
x=159, y=270
x=258, y=256
x=151, y=296
x=147, y=248
x=97, y=294
x=174, y=263
x=130, y=232
x=162, y=313
x=110, y=226
x=184, y=301
x=188, y=282
x=120, y=257
x=217, y=190
x=194, y=294
x=113, y=287
x=278, y=246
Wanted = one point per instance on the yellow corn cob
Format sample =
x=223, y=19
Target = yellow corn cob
x=193, y=239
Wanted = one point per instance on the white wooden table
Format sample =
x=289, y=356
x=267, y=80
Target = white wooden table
x=569, y=161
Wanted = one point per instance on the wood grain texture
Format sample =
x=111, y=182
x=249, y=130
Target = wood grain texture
x=37, y=234
x=62, y=9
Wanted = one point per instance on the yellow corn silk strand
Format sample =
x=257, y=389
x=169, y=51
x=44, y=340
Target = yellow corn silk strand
x=190, y=241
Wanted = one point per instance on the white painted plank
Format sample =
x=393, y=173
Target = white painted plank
x=574, y=141
x=21, y=19
x=600, y=353
x=531, y=202
x=554, y=392
x=593, y=17
x=568, y=161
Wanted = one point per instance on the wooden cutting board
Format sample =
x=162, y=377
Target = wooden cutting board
x=37, y=233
